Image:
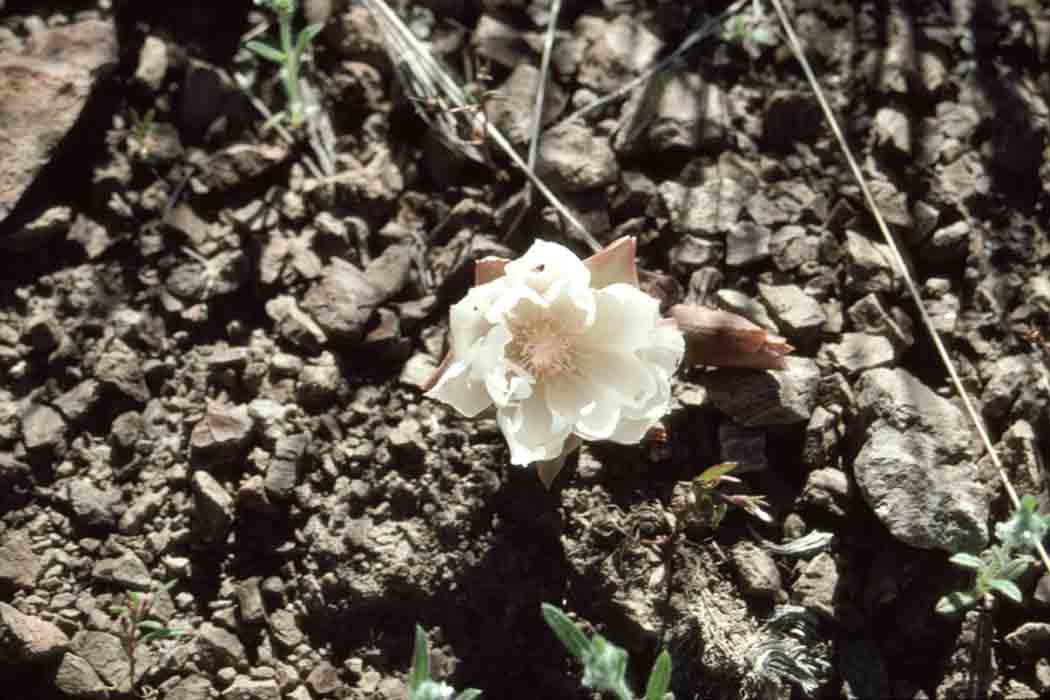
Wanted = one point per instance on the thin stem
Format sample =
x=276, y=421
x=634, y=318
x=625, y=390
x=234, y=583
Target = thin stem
x=898, y=261
x=291, y=68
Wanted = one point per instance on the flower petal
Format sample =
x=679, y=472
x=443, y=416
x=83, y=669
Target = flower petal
x=624, y=320
x=457, y=389
x=569, y=396
x=488, y=269
x=600, y=418
x=544, y=263
x=615, y=263
x=623, y=374
x=532, y=431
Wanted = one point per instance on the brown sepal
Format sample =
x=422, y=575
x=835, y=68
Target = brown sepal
x=723, y=339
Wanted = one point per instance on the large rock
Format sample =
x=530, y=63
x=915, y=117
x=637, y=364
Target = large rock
x=916, y=468
x=759, y=398
x=42, y=93
x=28, y=639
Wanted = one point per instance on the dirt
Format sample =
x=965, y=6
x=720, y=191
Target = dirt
x=210, y=356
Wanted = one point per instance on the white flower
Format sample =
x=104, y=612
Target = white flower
x=561, y=347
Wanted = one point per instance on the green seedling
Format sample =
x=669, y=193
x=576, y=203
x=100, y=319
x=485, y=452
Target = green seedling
x=137, y=628
x=708, y=505
x=999, y=567
x=604, y=663
x=421, y=686
x=139, y=134
x=289, y=56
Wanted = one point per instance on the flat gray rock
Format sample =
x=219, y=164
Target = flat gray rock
x=759, y=398
x=916, y=468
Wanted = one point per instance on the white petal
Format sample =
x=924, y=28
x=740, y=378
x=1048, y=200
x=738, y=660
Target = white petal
x=514, y=300
x=622, y=374
x=545, y=262
x=467, y=322
x=666, y=349
x=457, y=389
x=573, y=305
x=489, y=365
x=625, y=318
x=531, y=430
x=599, y=419
x=568, y=396
x=630, y=431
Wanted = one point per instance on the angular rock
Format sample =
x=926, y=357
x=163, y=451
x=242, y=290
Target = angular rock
x=343, y=301
x=747, y=243
x=760, y=398
x=92, y=507
x=250, y=601
x=511, y=113
x=948, y=244
x=42, y=93
x=76, y=679
x=799, y=316
x=757, y=571
x=80, y=401
x=221, y=436
x=575, y=159
x=43, y=430
x=816, y=587
x=104, y=652
x=692, y=253
x=706, y=209
x=218, y=648
x=868, y=316
x=19, y=565
x=282, y=474
x=292, y=324
x=153, y=63
x=212, y=514
x=868, y=268
x=857, y=352
x=126, y=571
x=195, y=687
x=893, y=130
x=615, y=51
x=120, y=367
x=247, y=689
x=28, y=639
x=743, y=305
x=678, y=111
x=916, y=468
x=827, y=490
x=744, y=446
x=791, y=248
x=1006, y=377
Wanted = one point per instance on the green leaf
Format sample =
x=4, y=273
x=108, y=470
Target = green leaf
x=659, y=677
x=150, y=625
x=307, y=35
x=1014, y=569
x=970, y=561
x=420, y=661
x=469, y=694
x=955, y=603
x=567, y=631
x=1007, y=588
x=1026, y=528
x=710, y=477
x=267, y=52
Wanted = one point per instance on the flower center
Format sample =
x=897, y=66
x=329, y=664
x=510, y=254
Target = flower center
x=541, y=347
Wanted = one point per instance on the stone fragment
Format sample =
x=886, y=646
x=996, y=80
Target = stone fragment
x=19, y=565
x=747, y=243
x=212, y=514
x=1006, y=378
x=126, y=571
x=324, y=679
x=761, y=398
x=80, y=401
x=285, y=628
x=575, y=159
x=75, y=678
x=799, y=316
x=28, y=639
x=692, y=253
x=292, y=324
x=868, y=268
x=250, y=601
x=744, y=446
x=236, y=165
x=756, y=571
x=153, y=63
x=248, y=689
x=318, y=384
x=816, y=586
x=221, y=436
x=916, y=469
x=120, y=368
x=43, y=91
x=790, y=117
x=511, y=113
x=827, y=490
x=615, y=51
x=791, y=248
x=193, y=687
x=1031, y=639
x=418, y=370
x=92, y=507
x=867, y=315
x=857, y=352
x=142, y=511
x=823, y=435
x=706, y=209
x=679, y=112
x=283, y=472
x=342, y=301
x=947, y=245
x=104, y=652
x=743, y=305
x=893, y=130
x=218, y=648
x=43, y=430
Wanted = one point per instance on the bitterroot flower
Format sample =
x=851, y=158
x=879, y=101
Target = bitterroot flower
x=563, y=349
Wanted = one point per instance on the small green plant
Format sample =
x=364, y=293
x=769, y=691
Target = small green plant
x=289, y=56
x=1002, y=564
x=137, y=628
x=420, y=684
x=706, y=505
x=139, y=133
x=604, y=663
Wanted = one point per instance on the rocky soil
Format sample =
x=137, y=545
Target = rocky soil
x=211, y=349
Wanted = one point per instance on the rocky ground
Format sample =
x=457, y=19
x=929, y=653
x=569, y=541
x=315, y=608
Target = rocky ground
x=211, y=350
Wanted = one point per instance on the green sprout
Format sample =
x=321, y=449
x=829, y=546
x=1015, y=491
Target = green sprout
x=289, y=56
x=420, y=684
x=137, y=628
x=707, y=505
x=604, y=663
x=1002, y=564
x=139, y=134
